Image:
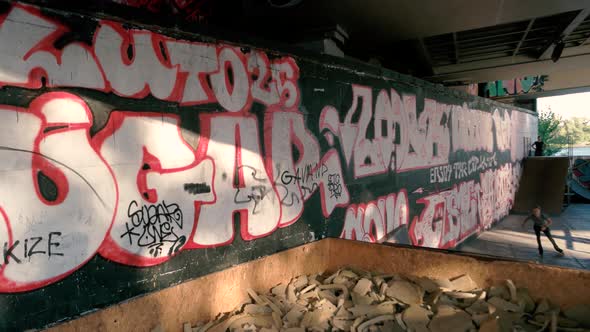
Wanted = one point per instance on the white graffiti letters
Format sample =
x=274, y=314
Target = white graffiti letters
x=376, y=220
x=29, y=60
x=415, y=141
x=155, y=215
x=62, y=210
x=241, y=182
x=450, y=216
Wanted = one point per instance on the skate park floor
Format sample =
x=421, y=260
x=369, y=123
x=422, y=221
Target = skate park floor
x=571, y=231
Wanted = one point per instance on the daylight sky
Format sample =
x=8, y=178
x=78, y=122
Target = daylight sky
x=568, y=106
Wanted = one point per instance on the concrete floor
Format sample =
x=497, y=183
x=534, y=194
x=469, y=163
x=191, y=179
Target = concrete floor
x=571, y=231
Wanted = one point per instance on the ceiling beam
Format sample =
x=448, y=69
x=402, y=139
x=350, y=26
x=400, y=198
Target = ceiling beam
x=425, y=54
x=566, y=31
x=526, y=32
x=456, y=47
x=510, y=69
x=503, y=61
x=585, y=41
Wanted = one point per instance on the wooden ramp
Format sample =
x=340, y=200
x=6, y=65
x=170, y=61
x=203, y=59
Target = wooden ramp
x=543, y=182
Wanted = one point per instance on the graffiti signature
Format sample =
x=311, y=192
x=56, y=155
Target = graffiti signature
x=153, y=226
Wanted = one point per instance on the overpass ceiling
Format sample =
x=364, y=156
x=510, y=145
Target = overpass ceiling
x=510, y=50
x=452, y=41
x=528, y=38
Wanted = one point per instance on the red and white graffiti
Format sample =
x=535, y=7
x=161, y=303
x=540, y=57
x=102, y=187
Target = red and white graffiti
x=376, y=220
x=471, y=130
x=45, y=188
x=145, y=63
x=401, y=140
x=297, y=180
x=503, y=131
x=30, y=60
x=139, y=192
x=143, y=188
x=447, y=218
x=242, y=183
x=498, y=189
x=451, y=216
x=153, y=166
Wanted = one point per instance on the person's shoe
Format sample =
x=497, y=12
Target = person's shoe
x=559, y=250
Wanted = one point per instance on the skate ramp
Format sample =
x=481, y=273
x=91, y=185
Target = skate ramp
x=579, y=189
x=580, y=183
x=543, y=182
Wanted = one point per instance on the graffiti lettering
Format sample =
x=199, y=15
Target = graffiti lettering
x=256, y=194
x=139, y=185
x=34, y=154
x=35, y=245
x=300, y=178
x=503, y=129
x=154, y=226
x=447, y=218
x=232, y=141
x=143, y=63
x=334, y=185
x=498, y=188
x=471, y=130
x=441, y=173
x=306, y=174
x=416, y=142
x=149, y=169
x=516, y=86
x=450, y=216
x=375, y=220
x=462, y=169
x=413, y=141
x=33, y=61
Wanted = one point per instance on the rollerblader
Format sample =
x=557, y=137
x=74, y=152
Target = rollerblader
x=541, y=224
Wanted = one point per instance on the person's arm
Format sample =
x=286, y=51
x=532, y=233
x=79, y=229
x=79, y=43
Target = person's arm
x=548, y=220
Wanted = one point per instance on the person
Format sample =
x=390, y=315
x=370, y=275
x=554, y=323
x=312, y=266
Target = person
x=541, y=224
x=538, y=146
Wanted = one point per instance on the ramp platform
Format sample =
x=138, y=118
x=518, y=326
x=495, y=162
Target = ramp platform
x=543, y=182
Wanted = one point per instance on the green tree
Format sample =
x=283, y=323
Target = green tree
x=549, y=130
x=577, y=130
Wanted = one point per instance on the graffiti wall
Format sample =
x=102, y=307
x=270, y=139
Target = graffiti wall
x=132, y=160
x=517, y=86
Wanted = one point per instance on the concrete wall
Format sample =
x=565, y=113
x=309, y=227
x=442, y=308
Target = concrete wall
x=132, y=160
